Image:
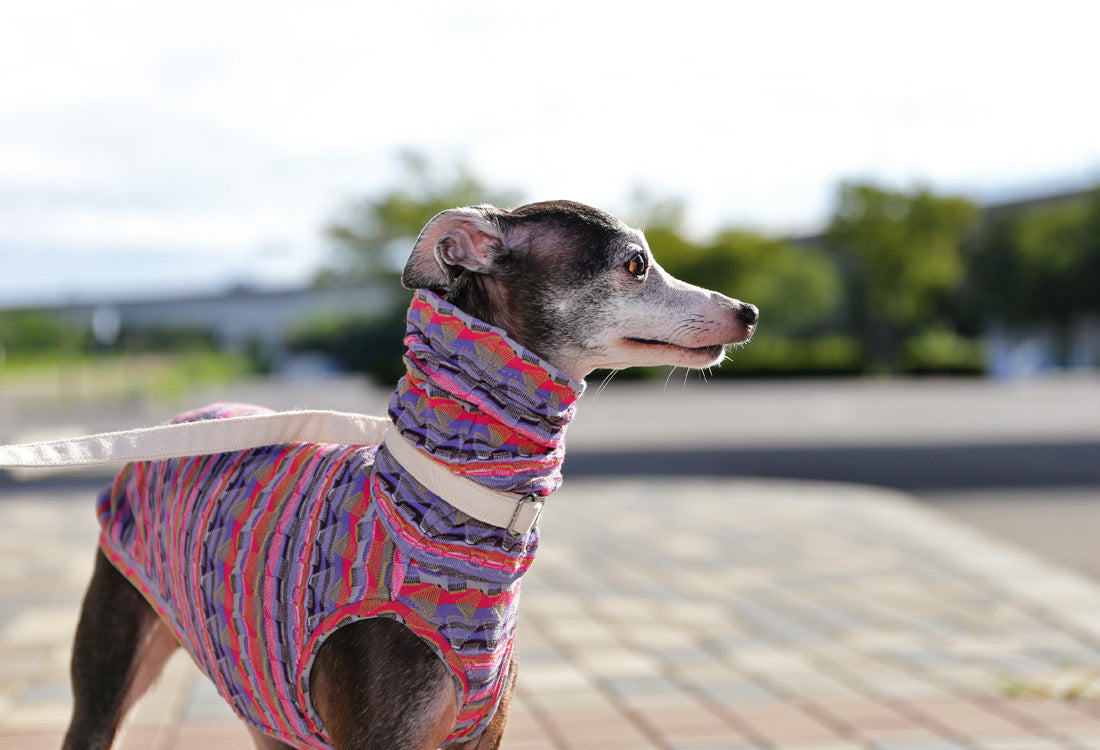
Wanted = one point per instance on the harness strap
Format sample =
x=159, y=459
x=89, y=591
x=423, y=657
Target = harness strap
x=504, y=510
x=501, y=509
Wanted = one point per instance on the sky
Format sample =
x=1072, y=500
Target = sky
x=155, y=149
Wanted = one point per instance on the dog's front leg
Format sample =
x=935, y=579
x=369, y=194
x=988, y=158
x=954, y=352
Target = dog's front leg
x=377, y=686
x=490, y=739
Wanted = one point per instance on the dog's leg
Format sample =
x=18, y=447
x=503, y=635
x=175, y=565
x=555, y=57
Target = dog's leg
x=120, y=647
x=377, y=686
x=490, y=739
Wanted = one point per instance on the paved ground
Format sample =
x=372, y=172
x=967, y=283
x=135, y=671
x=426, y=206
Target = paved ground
x=837, y=413
x=1060, y=523
x=725, y=614
x=1019, y=459
x=710, y=613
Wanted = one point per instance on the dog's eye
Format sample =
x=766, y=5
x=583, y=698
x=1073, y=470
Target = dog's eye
x=636, y=265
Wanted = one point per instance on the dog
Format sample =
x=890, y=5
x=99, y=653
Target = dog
x=334, y=600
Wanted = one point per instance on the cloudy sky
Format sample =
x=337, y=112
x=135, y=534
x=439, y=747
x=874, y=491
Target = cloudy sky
x=172, y=147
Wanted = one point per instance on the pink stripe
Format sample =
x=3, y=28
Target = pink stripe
x=290, y=512
x=438, y=377
x=247, y=565
x=299, y=608
x=180, y=522
x=203, y=635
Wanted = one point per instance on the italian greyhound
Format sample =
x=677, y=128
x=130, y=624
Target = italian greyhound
x=335, y=601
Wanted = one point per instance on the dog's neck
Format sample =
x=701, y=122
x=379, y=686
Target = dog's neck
x=478, y=401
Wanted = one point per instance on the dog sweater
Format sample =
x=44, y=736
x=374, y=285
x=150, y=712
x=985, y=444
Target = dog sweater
x=254, y=557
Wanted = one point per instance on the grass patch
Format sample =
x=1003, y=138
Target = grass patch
x=1066, y=684
x=82, y=377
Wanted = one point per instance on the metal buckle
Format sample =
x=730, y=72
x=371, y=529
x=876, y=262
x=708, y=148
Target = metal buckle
x=539, y=500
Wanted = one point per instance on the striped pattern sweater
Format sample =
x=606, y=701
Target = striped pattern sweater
x=254, y=557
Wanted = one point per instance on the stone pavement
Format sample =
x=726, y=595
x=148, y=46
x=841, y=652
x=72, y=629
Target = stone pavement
x=702, y=614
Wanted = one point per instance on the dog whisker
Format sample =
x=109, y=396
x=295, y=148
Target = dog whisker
x=667, y=379
x=611, y=374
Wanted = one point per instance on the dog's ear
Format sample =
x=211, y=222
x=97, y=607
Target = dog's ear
x=454, y=239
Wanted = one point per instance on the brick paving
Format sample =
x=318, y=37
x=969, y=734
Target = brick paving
x=699, y=615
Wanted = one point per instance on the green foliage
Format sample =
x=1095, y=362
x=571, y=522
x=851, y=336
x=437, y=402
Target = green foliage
x=942, y=352
x=373, y=236
x=1090, y=251
x=899, y=281
x=44, y=356
x=901, y=254
x=84, y=377
x=801, y=289
x=167, y=338
x=194, y=367
x=798, y=290
x=30, y=332
x=903, y=247
x=1040, y=265
x=772, y=356
x=371, y=345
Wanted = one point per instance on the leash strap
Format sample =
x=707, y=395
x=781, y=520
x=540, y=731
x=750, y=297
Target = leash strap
x=518, y=515
x=198, y=439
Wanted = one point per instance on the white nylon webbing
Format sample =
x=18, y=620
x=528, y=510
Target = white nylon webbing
x=199, y=439
x=505, y=510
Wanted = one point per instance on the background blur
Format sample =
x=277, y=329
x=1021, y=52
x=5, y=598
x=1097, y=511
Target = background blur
x=900, y=190
x=210, y=201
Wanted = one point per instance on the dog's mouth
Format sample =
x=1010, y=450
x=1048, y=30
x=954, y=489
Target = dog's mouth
x=710, y=352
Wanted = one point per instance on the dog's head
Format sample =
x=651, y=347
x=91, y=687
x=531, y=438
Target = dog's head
x=574, y=285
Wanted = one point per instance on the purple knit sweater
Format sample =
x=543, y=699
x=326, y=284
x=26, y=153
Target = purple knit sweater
x=254, y=557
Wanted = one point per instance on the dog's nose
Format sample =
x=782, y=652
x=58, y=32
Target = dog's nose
x=748, y=314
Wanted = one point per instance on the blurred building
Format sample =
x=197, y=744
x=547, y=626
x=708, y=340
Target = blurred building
x=239, y=316
x=238, y=319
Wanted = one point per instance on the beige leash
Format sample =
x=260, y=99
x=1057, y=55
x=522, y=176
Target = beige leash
x=502, y=509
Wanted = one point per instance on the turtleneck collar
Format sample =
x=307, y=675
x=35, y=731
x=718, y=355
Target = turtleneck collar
x=477, y=400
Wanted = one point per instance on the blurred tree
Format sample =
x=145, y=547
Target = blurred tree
x=798, y=289
x=1090, y=248
x=1040, y=266
x=648, y=209
x=662, y=218
x=34, y=331
x=373, y=236
x=900, y=254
